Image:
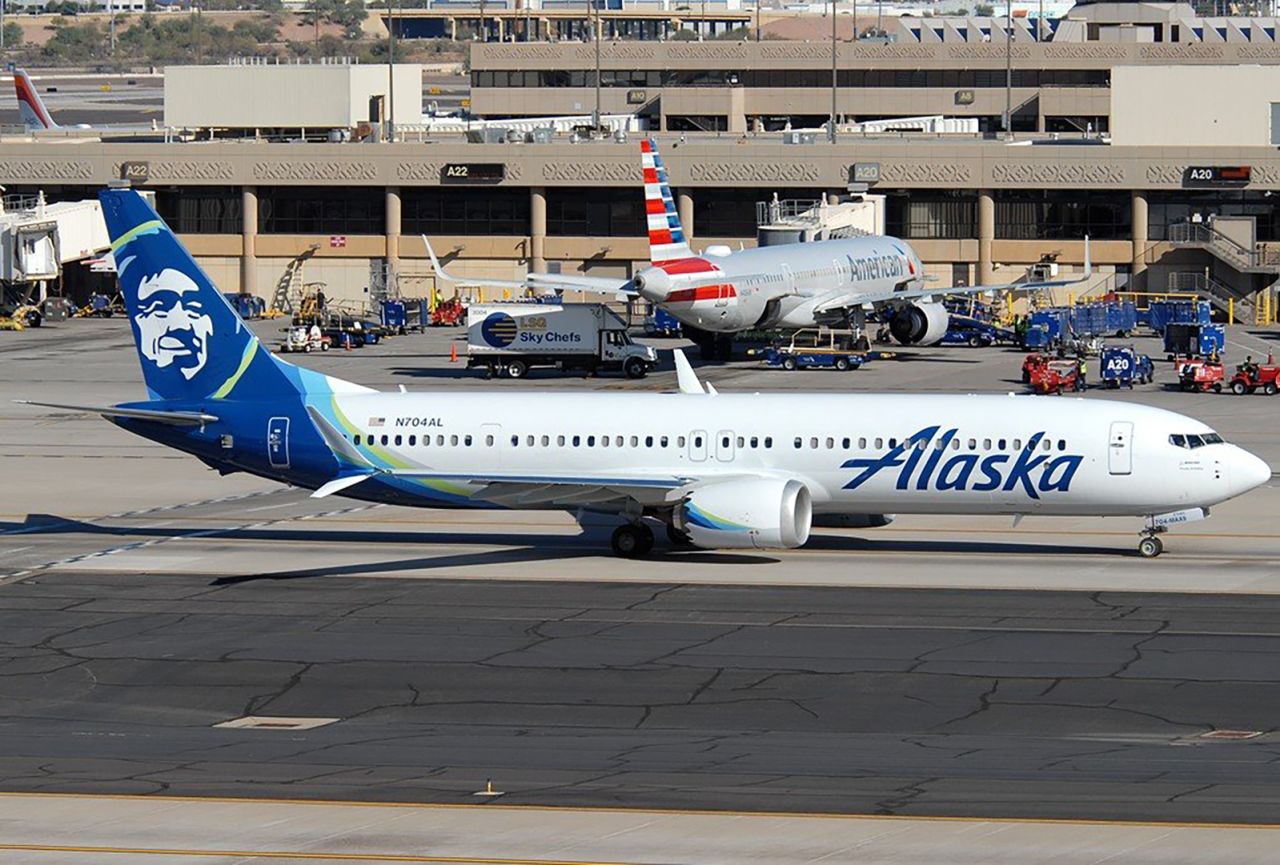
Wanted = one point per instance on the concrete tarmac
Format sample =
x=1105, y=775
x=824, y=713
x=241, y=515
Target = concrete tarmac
x=144, y=599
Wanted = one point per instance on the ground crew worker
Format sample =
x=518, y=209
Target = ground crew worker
x=1082, y=369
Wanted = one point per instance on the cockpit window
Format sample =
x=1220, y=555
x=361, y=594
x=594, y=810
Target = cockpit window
x=1178, y=440
x=1212, y=439
x=1195, y=442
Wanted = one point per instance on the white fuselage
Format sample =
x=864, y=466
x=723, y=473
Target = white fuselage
x=857, y=454
x=780, y=286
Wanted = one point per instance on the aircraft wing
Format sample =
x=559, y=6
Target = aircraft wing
x=174, y=418
x=549, y=281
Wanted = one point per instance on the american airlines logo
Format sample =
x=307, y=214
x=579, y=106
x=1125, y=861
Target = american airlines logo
x=875, y=266
x=1032, y=470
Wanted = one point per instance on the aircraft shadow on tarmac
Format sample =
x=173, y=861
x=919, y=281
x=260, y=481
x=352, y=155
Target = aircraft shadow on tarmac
x=591, y=543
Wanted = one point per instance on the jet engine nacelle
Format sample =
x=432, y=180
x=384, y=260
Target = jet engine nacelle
x=919, y=323
x=746, y=514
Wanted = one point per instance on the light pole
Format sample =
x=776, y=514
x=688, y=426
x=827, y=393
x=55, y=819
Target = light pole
x=832, y=130
x=1008, y=69
x=595, y=115
x=391, y=74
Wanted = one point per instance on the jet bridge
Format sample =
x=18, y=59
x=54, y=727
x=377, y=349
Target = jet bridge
x=38, y=238
x=781, y=221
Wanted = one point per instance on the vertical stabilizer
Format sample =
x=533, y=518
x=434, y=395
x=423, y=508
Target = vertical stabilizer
x=35, y=117
x=191, y=343
x=666, y=235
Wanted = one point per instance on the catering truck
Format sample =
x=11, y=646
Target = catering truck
x=511, y=338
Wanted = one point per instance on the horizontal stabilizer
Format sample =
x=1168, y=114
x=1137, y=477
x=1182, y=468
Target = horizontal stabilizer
x=176, y=418
x=337, y=442
x=337, y=485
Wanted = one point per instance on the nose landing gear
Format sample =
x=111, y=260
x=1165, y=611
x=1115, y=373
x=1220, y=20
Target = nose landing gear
x=1151, y=546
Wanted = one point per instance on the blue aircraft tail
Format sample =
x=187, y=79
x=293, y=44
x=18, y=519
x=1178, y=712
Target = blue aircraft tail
x=192, y=344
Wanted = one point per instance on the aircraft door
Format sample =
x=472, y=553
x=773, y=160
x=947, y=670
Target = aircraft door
x=698, y=445
x=1120, y=448
x=278, y=442
x=491, y=441
x=724, y=445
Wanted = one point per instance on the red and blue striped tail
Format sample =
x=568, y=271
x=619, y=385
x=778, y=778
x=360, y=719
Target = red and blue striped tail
x=666, y=236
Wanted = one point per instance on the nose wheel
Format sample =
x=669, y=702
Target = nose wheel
x=632, y=541
x=1151, y=546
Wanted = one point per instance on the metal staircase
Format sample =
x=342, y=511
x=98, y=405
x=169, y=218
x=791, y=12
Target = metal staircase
x=288, y=294
x=1221, y=295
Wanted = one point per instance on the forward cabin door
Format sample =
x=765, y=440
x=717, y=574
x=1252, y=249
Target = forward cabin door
x=1120, y=448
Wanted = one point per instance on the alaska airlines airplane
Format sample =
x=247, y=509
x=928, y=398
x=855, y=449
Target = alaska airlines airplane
x=35, y=117
x=719, y=470
x=788, y=286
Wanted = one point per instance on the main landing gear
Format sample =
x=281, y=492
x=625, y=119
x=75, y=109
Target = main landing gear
x=632, y=541
x=1151, y=546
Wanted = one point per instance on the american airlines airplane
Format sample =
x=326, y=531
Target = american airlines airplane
x=35, y=117
x=788, y=286
x=721, y=471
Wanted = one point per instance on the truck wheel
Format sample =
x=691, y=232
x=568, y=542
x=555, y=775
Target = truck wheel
x=1269, y=388
x=1217, y=387
x=634, y=368
x=517, y=369
x=975, y=342
x=1239, y=388
x=842, y=363
x=788, y=363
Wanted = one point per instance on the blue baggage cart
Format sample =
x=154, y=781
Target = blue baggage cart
x=394, y=315
x=1123, y=367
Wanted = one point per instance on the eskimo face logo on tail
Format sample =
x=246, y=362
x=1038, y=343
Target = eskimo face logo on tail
x=935, y=466
x=173, y=326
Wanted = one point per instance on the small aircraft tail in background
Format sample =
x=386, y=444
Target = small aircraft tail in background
x=35, y=117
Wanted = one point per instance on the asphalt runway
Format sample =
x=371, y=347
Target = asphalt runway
x=144, y=599
x=986, y=704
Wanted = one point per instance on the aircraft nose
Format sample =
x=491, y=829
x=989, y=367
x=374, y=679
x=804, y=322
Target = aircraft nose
x=1248, y=471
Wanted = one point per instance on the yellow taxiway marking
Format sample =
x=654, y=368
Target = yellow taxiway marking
x=292, y=854
x=605, y=809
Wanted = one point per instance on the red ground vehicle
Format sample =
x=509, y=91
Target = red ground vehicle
x=1200, y=375
x=1249, y=377
x=448, y=313
x=1055, y=376
x=1031, y=363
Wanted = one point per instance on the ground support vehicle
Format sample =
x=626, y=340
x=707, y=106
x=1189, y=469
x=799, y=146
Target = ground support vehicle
x=962, y=330
x=511, y=338
x=817, y=348
x=1249, y=377
x=1056, y=376
x=304, y=339
x=25, y=314
x=1033, y=362
x=1201, y=376
x=1124, y=367
x=659, y=322
x=448, y=313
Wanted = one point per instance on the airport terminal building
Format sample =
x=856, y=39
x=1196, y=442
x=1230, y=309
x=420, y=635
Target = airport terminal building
x=1090, y=155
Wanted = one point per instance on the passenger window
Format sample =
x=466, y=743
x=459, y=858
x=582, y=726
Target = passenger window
x=1062, y=444
x=453, y=441
x=560, y=441
x=440, y=440
x=1003, y=444
x=742, y=442
x=768, y=441
x=697, y=441
x=618, y=440
x=466, y=441
x=591, y=441
x=813, y=443
x=973, y=444
x=515, y=441
x=604, y=441
x=1017, y=444
x=546, y=441
x=893, y=443
x=648, y=441
x=799, y=442
x=862, y=444
x=357, y=439
x=755, y=442
x=413, y=440
x=384, y=440
x=577, y=440
x=955, y=444
x=1047, y=444
x=635, y=441
x=662, y=442
x=398, y=441
x=488, y=441
x=724, y=442
x=845, y=443
x=986, y=444
x=831, y=443
x=879, y=444
x=529, y=441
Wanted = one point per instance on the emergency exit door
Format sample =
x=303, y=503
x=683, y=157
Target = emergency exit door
x=278, y=442
x=1120, y=448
